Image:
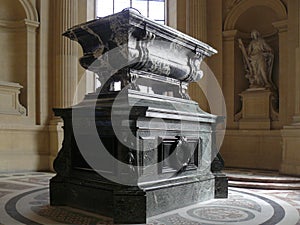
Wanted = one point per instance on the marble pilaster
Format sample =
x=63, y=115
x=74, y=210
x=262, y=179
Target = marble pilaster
x=291, y=133
x=296, y=118
x=282, y=28
x=197, y=28
x=229, y=46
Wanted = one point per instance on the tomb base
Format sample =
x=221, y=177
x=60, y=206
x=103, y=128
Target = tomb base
x=167, y=175
x=129, y=205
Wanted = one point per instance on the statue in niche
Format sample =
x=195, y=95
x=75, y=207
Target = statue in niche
x=258, y=61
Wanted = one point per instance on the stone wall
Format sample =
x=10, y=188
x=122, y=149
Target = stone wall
x=39, y=69
x=31, y=80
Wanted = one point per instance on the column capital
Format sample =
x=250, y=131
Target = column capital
x=281, y=26
x=230, y=35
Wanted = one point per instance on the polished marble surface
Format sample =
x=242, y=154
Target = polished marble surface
x=24, y=199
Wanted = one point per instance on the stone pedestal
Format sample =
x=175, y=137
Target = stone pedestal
x=9, y=99
x=256, y=109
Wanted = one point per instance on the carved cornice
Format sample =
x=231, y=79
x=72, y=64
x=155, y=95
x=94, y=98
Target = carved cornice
x=10, y=85
x=281, y=26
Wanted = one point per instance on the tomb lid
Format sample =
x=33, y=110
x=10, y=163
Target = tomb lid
x=140, y=43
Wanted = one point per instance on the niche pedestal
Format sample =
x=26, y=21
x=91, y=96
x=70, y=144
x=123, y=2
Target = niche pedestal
x=256, y=109
x=144, y=148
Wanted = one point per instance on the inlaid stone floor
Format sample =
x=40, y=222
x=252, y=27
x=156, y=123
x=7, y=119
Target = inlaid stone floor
x=24, y=199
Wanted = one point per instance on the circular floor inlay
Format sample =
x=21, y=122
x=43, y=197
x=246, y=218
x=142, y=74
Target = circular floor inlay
x=220, y=214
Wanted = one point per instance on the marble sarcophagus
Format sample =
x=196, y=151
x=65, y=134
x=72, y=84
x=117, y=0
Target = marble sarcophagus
x=137, y=146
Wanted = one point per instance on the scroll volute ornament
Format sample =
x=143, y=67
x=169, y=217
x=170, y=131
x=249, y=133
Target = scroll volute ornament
x=140, y=44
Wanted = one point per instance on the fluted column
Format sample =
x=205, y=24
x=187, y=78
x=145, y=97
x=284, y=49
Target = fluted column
x=197, y=25
x=296, y=118
x=65, y=53
x=64, y=14
x=197, y=28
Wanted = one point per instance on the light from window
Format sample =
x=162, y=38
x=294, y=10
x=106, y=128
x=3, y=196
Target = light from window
x=153, y=9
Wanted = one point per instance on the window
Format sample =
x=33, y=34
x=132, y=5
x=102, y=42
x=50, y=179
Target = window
x=153, y=9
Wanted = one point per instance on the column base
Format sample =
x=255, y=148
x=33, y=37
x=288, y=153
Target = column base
x=254, y=124
x=296, y=120
x=221, y=185
x=291, y=157
x=56, y=138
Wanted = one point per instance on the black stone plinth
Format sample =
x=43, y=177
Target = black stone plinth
x=128, y=205
x=221, y=181
x=176, y=182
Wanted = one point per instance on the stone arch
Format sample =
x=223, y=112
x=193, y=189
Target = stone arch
x=11, y=10
x=16, y=10
x=30, y=10
x=18, y=23
x=241, y=7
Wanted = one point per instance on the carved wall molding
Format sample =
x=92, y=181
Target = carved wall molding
x=231, y=3
x=243, y=5
x=17, y=26
x=12, y=25
x=31, y=24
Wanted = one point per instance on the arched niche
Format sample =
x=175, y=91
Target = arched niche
x=12, y=10
x=243, y=17
x=243, y=6
x=18, y=24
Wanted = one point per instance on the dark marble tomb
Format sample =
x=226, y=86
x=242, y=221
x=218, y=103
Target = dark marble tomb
x=138, y=146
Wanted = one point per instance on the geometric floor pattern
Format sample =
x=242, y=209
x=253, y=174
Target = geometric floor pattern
x=24, y=199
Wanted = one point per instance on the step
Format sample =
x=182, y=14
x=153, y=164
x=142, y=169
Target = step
x=263, y=179
x=260, y=185
x=262, y=176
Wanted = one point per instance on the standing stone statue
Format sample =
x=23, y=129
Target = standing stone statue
x=258, y=60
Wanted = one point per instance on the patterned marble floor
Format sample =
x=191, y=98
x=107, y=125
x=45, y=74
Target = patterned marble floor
x=24, y=199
